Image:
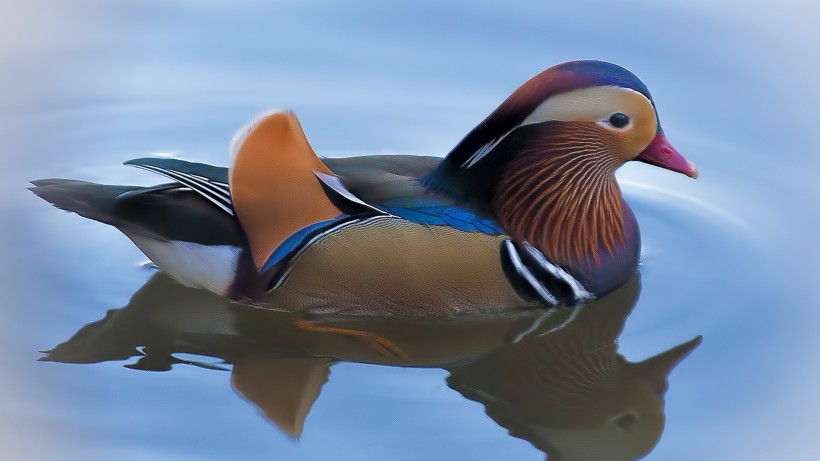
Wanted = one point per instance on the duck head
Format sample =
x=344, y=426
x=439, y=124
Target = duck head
x=543, y=163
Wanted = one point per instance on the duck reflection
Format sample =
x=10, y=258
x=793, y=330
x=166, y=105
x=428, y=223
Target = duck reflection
x=570, y=393
x=551, y=377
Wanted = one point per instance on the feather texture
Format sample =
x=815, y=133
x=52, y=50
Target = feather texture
x=529, y=194
x=559, y=192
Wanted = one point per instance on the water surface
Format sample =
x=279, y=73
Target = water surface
x=732, y=256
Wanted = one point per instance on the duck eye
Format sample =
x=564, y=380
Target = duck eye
x=619, y=120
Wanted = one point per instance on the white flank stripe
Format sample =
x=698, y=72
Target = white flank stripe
x=524, y=272
x=578, y=290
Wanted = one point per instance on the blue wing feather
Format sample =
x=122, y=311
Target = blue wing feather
x=398, y=182
x=439, y=213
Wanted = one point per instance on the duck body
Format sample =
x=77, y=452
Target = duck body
x=524, y=212
x=422, y=253
x=374, y=263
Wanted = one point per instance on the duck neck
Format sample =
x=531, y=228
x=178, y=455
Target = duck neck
x=553, y=185
x=559, y=193
x=569, y=208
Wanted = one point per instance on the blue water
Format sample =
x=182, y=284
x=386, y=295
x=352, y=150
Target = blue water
x=732, y=256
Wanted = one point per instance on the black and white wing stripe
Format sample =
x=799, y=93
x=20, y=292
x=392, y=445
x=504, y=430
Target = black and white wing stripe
x=529, y=271
x=211, y=183
x=211, y=186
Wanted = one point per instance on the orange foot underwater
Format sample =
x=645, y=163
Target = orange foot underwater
x=376, y=342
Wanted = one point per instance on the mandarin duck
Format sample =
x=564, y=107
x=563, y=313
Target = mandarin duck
x=525, y=211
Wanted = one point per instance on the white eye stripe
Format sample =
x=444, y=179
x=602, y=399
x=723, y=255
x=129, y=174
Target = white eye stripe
x=596, y=104
x=589, y=104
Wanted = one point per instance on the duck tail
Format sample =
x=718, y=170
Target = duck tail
x=90, y=200
x=184, y=235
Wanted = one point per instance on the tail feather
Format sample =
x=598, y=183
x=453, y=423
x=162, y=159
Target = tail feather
x=87, y=199
x=163, y=212
x=181, y=232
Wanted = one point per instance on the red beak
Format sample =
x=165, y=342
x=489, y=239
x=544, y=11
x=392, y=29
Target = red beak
x=660, y=153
